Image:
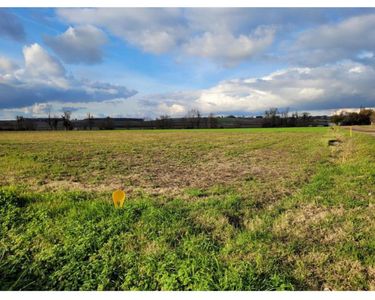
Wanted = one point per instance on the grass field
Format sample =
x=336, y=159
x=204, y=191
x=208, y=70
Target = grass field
x=241, y=209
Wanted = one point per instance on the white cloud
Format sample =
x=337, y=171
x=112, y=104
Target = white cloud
x=225, y=35
x=226, y=48
x=333, y=42
x=81, y=44
x=40, y=67
x=324, y=88
x=319, y=88
x=237, y=96
x=43, y=78
x=173, y=109
x=151, y=29
x=39, y=109
x=225, y=38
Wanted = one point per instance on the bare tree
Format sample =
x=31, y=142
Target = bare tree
x=305, y=118
x=66, y=119
x=271, y=113
x=293, y=120
x=52, y=121
x=285, y=116
x=295, y=115
x=20, y=123
x=305, y=115
x=90, y=121
x=25, y=124
x=212, y=121
x=55, y=122
x=163, y=122
x=193, y=117
x=198, y=118
x=271, y=116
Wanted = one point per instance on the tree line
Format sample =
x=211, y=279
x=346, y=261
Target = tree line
x=363, y=117
x=273, y=117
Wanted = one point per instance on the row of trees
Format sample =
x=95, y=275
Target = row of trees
x=24, y=124
x=273, y=117
x=53, y=122
x=363, y=117
x=193, y=119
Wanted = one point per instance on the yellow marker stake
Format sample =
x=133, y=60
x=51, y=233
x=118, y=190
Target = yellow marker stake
x=118, y=197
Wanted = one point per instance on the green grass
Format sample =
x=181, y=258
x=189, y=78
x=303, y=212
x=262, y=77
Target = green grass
x=243, y=209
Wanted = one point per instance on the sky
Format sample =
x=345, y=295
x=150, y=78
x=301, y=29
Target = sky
x=148, y=62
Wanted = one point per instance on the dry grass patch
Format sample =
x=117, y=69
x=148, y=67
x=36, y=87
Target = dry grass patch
x=159, y=162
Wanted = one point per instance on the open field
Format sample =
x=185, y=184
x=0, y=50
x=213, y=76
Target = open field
x=234, y=209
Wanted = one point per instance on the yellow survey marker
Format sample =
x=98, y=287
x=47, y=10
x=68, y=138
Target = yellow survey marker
x=118, y=197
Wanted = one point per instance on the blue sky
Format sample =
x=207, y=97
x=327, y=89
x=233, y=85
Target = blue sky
x=148, y=62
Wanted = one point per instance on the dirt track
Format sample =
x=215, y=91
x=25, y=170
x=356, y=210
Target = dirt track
x=367, y=129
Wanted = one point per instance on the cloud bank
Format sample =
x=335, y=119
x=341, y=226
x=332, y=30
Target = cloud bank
x=162, y=30
x=229, y=36
x=324, y=88
x=43, y=78
x=347, y=84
